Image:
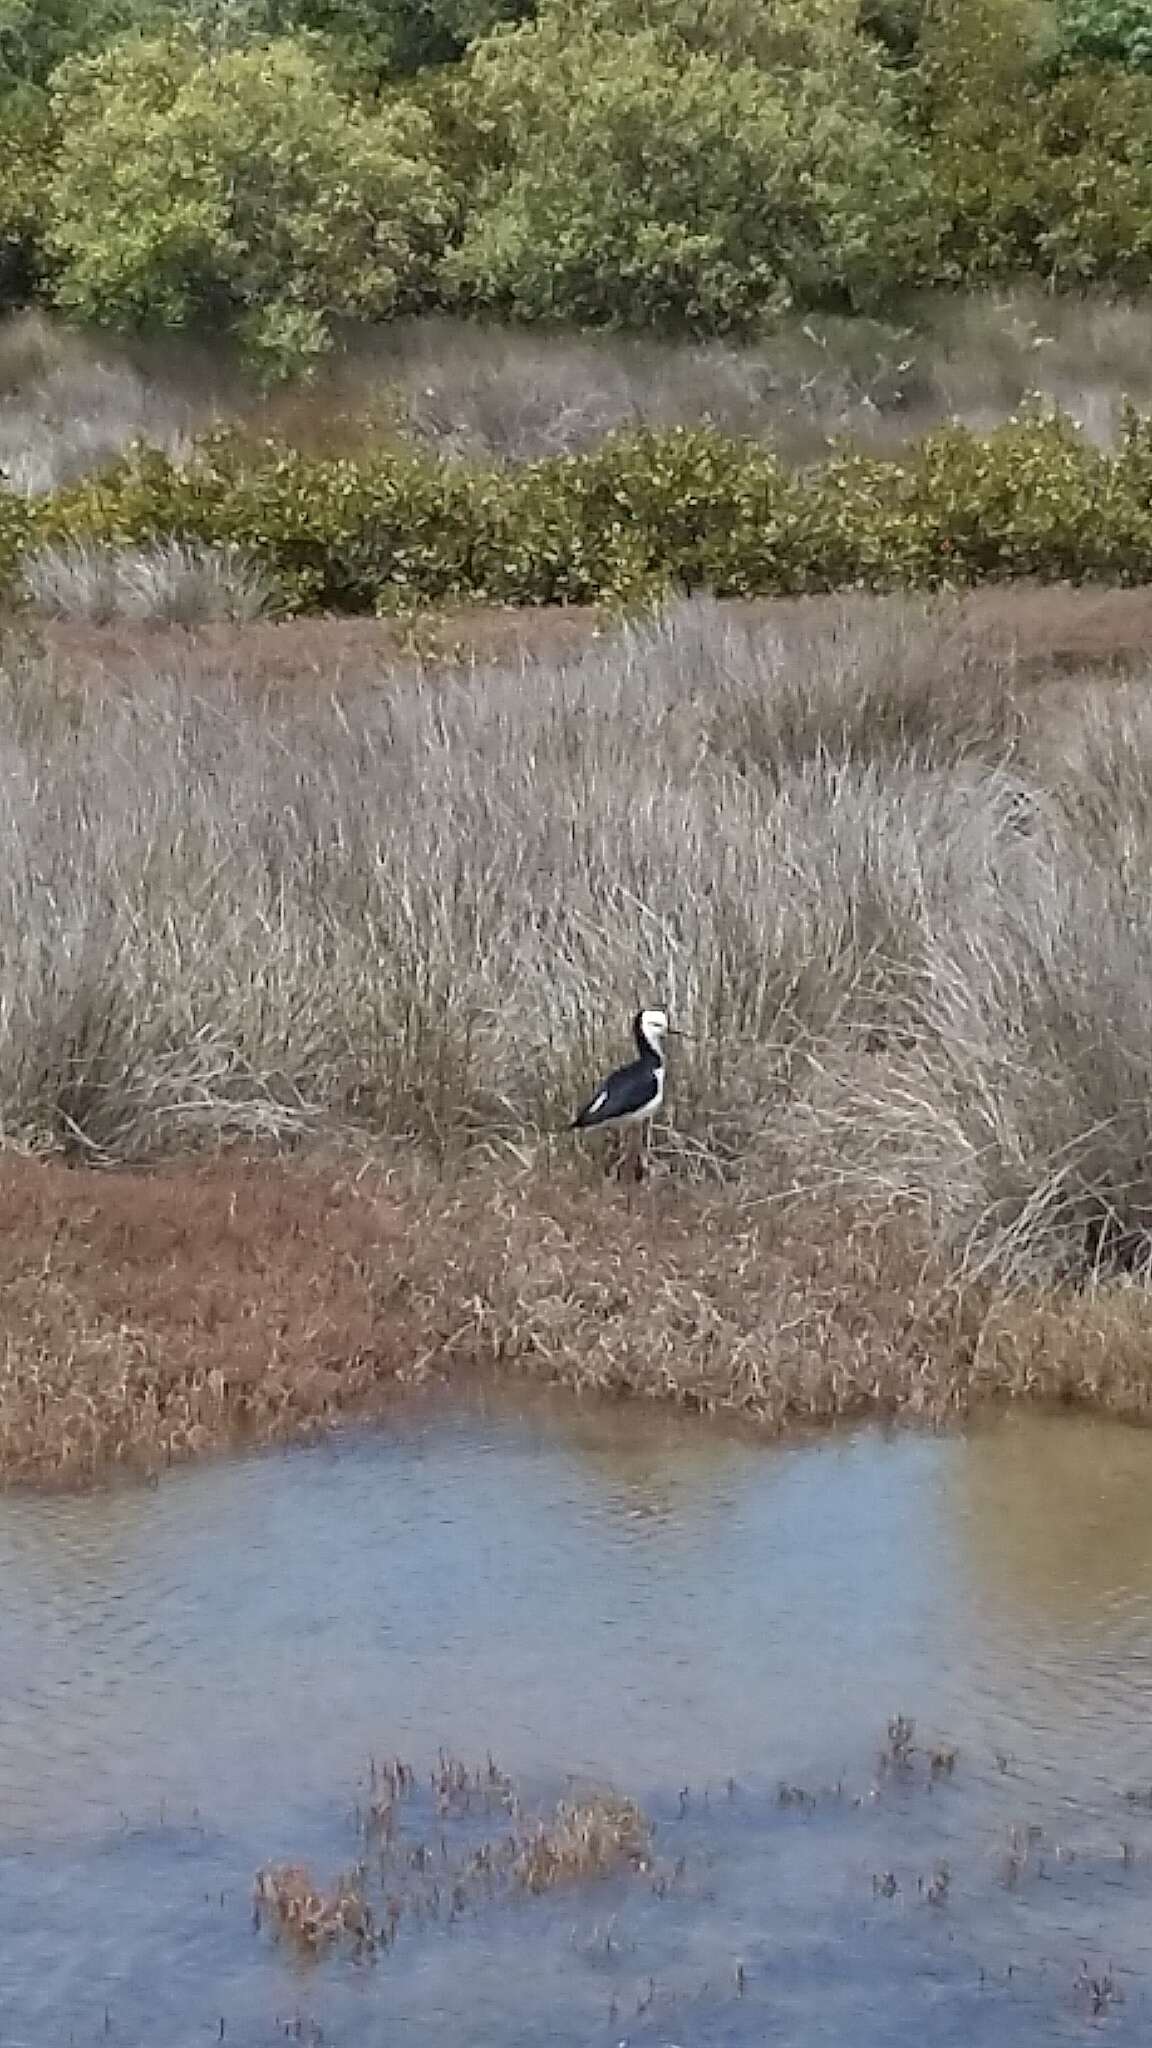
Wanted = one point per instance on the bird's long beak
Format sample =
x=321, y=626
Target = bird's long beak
x=674, y=1033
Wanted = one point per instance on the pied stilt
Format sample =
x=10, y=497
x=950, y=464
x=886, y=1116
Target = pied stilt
x=632, y=1094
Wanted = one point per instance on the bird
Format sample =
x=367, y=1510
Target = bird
x=631, y=1095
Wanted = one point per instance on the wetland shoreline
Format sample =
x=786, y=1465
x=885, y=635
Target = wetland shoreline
x=153, y=1315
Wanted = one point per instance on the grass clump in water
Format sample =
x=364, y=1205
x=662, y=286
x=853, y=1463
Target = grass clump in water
x=430, y=1856
x=309, y=1917
x=585, y=1838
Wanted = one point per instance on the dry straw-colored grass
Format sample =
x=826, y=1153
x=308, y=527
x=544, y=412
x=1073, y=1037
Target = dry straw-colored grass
x=433, y=1859
x=173, y=583
x=70, y=404
x=153, y=1316
x=585, y=1838
x=484, y=392
x=309, y=1916
x=895, y=887
x=150, y=1316
x=423, y=910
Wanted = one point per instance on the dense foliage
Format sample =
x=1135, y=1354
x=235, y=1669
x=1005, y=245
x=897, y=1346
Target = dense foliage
x=623, y=175
x=639, y=515
x=1110, y=31
x=245, y=191
x=275, y=166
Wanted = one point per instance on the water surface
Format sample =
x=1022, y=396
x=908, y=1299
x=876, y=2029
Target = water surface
x=193, y=1679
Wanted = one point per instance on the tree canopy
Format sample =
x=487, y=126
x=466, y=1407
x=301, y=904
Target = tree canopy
x=277, y=166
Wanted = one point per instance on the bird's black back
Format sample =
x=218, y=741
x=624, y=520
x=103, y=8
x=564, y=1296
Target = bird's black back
x=624, y=1092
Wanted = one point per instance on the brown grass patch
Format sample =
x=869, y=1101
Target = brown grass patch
x=585, y=1838
x=148, y=1317
x=1048, y=634
x=437, y=1847
x=271, y=659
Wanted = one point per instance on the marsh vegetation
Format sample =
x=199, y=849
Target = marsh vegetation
x=71, y=402
x=310, y=967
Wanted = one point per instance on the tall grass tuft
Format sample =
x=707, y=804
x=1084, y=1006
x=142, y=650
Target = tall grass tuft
x=171, y=583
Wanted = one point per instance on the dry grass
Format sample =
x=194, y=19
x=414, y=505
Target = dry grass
x=429, y=1856
x=154, y=1316
x=517, y=396
x=585, y=1838
x=424, y=911
x=170, y=583
x=151, y=1316
x=68, y=405
x=806, y=832
x=310, y=1917
x=894, y=884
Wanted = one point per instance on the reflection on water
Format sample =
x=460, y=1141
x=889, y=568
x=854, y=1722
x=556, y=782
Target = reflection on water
x=1057, y=1518
x=193, y=1680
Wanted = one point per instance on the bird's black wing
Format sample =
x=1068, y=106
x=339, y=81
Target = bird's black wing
x=594, y=1111
x=625, y=1091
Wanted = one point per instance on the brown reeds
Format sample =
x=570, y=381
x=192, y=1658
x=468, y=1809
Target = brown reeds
x=597, y=1837
x=434, y=1857
x=312, y=1918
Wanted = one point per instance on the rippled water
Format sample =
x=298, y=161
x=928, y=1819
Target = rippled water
x=193, y=1679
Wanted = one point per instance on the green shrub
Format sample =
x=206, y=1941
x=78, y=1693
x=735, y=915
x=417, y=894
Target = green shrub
x=388, y=532
x=1031, y=172
x=17, y=533
x=275, y=167
x=703, y=510
x=240, y=189
x=1106, y=32
x=1059, y=184
x=374, y=36
x=639, y=514
x=790, y=35
x=37, y=35
x=627, y=178
x=27, y=138
x=1095, y=199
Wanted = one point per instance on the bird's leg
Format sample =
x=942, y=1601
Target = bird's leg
x=640, y=1147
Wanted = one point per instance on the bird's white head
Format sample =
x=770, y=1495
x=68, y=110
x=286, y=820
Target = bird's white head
x=651, y=1028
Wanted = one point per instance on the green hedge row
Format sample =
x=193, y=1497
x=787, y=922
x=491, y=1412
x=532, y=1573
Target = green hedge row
x=640, y=514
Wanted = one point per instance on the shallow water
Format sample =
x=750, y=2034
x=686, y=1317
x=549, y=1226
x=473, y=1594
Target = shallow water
x=193, y=1679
